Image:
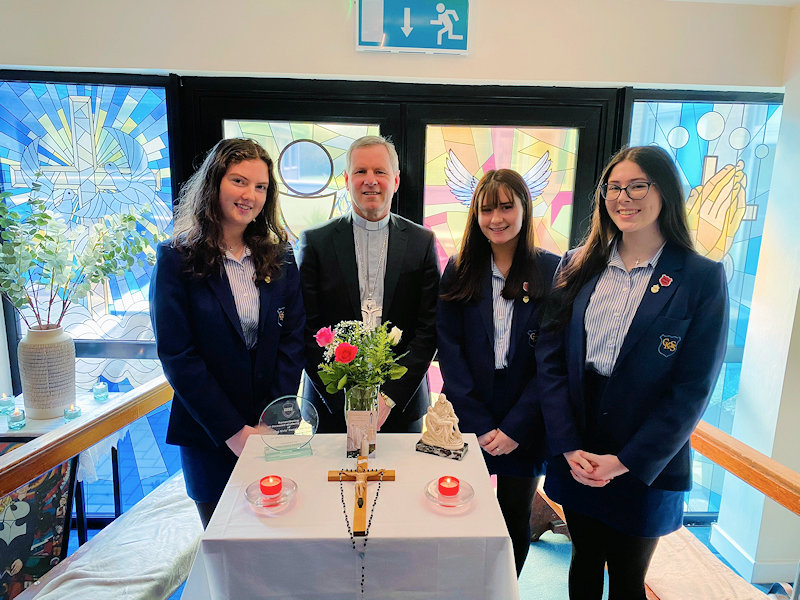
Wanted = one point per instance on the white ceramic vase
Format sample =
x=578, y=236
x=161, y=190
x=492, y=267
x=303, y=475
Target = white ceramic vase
x=47, y=370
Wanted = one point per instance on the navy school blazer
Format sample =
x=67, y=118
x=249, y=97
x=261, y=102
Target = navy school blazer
x=662, y=379
x=218, y=387
x=465, y=333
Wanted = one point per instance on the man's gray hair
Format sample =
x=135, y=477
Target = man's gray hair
x=374, y=140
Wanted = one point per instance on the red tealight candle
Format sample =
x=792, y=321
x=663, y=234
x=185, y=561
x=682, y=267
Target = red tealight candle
x=448, y=486
x=271, y=485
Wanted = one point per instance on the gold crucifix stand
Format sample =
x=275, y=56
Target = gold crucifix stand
x=361, y=475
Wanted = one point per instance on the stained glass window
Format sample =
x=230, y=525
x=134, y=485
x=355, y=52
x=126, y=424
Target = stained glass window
x=725, y=153
x=93, y=150
x=456, y=157
x=309, y=163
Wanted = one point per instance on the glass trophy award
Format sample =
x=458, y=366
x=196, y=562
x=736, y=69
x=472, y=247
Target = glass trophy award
x=287, y=426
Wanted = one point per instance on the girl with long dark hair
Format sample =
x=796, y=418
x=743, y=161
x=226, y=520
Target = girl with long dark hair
x=631, y=348
x=487, y=327
x=227, y=313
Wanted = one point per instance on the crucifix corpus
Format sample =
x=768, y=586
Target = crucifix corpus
x=361, y=475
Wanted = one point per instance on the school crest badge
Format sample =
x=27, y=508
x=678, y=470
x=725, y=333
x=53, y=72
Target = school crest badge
x=533, y=335
x=288, y=409
x=668, y=345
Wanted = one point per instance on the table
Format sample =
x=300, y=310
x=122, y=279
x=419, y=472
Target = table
x=415, y=550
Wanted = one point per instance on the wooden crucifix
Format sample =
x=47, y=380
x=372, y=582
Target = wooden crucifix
x=361, y=475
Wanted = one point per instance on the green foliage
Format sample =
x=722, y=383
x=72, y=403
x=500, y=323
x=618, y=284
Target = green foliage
x=46, y=264
x=374, y=363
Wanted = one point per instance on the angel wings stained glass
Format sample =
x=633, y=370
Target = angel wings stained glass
x=456, y=157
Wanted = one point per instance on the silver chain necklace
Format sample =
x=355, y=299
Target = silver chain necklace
x=363, y=553
x=370, y=311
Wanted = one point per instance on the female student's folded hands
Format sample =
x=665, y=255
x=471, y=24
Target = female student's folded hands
x=495, y=442
x=594, y=470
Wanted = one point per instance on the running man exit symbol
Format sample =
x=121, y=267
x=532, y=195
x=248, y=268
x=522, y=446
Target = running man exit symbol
x=432, y=26
x=445, y=21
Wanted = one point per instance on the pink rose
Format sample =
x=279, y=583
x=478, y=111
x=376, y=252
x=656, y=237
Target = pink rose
x=324, y=337
x=345, y=353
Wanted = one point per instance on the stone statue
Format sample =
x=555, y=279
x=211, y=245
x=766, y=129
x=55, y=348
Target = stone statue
x=442, y=426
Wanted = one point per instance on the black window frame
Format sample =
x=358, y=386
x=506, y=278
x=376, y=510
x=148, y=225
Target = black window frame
x=402, y=110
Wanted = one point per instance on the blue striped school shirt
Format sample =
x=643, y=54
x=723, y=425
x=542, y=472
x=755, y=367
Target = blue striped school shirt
x=502, y=313
x=241, y=277
x=611, y=309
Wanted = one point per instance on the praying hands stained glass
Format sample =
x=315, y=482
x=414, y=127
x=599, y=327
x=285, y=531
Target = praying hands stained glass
x=724, y=153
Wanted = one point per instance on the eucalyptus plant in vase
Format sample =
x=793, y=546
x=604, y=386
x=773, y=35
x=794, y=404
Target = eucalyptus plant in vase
x=45, y=265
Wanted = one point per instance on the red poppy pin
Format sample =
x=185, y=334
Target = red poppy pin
x=665, y=280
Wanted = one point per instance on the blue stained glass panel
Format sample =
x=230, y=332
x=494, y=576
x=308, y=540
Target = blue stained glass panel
x=93, y=150
x=724, y=151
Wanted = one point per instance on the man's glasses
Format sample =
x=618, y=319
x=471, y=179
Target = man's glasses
x=636, y=190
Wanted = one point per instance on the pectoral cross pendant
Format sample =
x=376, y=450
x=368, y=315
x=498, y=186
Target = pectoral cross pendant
x=371, y=313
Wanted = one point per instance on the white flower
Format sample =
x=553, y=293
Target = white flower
x=394, y=336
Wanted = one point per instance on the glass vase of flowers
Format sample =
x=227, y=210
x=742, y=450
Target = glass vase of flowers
x=359, y=360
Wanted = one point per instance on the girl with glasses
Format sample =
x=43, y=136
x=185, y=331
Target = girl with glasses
x=632, y=345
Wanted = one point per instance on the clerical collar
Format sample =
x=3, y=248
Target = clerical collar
x=369, y=225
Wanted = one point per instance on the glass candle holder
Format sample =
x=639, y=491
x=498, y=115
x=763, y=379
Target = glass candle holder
x=16, y=419
x=6, y=404
x=100, y=391
x=73, y=411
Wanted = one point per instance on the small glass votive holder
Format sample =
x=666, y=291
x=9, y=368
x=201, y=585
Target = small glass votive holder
x=100, y=391
x=16, y=419
x=73, y=411
x=6, y=404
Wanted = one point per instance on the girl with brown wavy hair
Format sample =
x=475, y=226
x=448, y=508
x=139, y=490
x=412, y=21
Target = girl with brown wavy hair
x=227, y=313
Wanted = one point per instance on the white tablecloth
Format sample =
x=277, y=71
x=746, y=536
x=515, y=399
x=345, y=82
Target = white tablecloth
x=415, y=551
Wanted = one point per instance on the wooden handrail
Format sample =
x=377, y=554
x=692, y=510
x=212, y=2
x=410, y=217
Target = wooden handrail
x=760, y=471
x=54, y=447
x=45, y=452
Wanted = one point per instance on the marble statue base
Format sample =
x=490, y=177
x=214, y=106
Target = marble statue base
x=443, y=452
